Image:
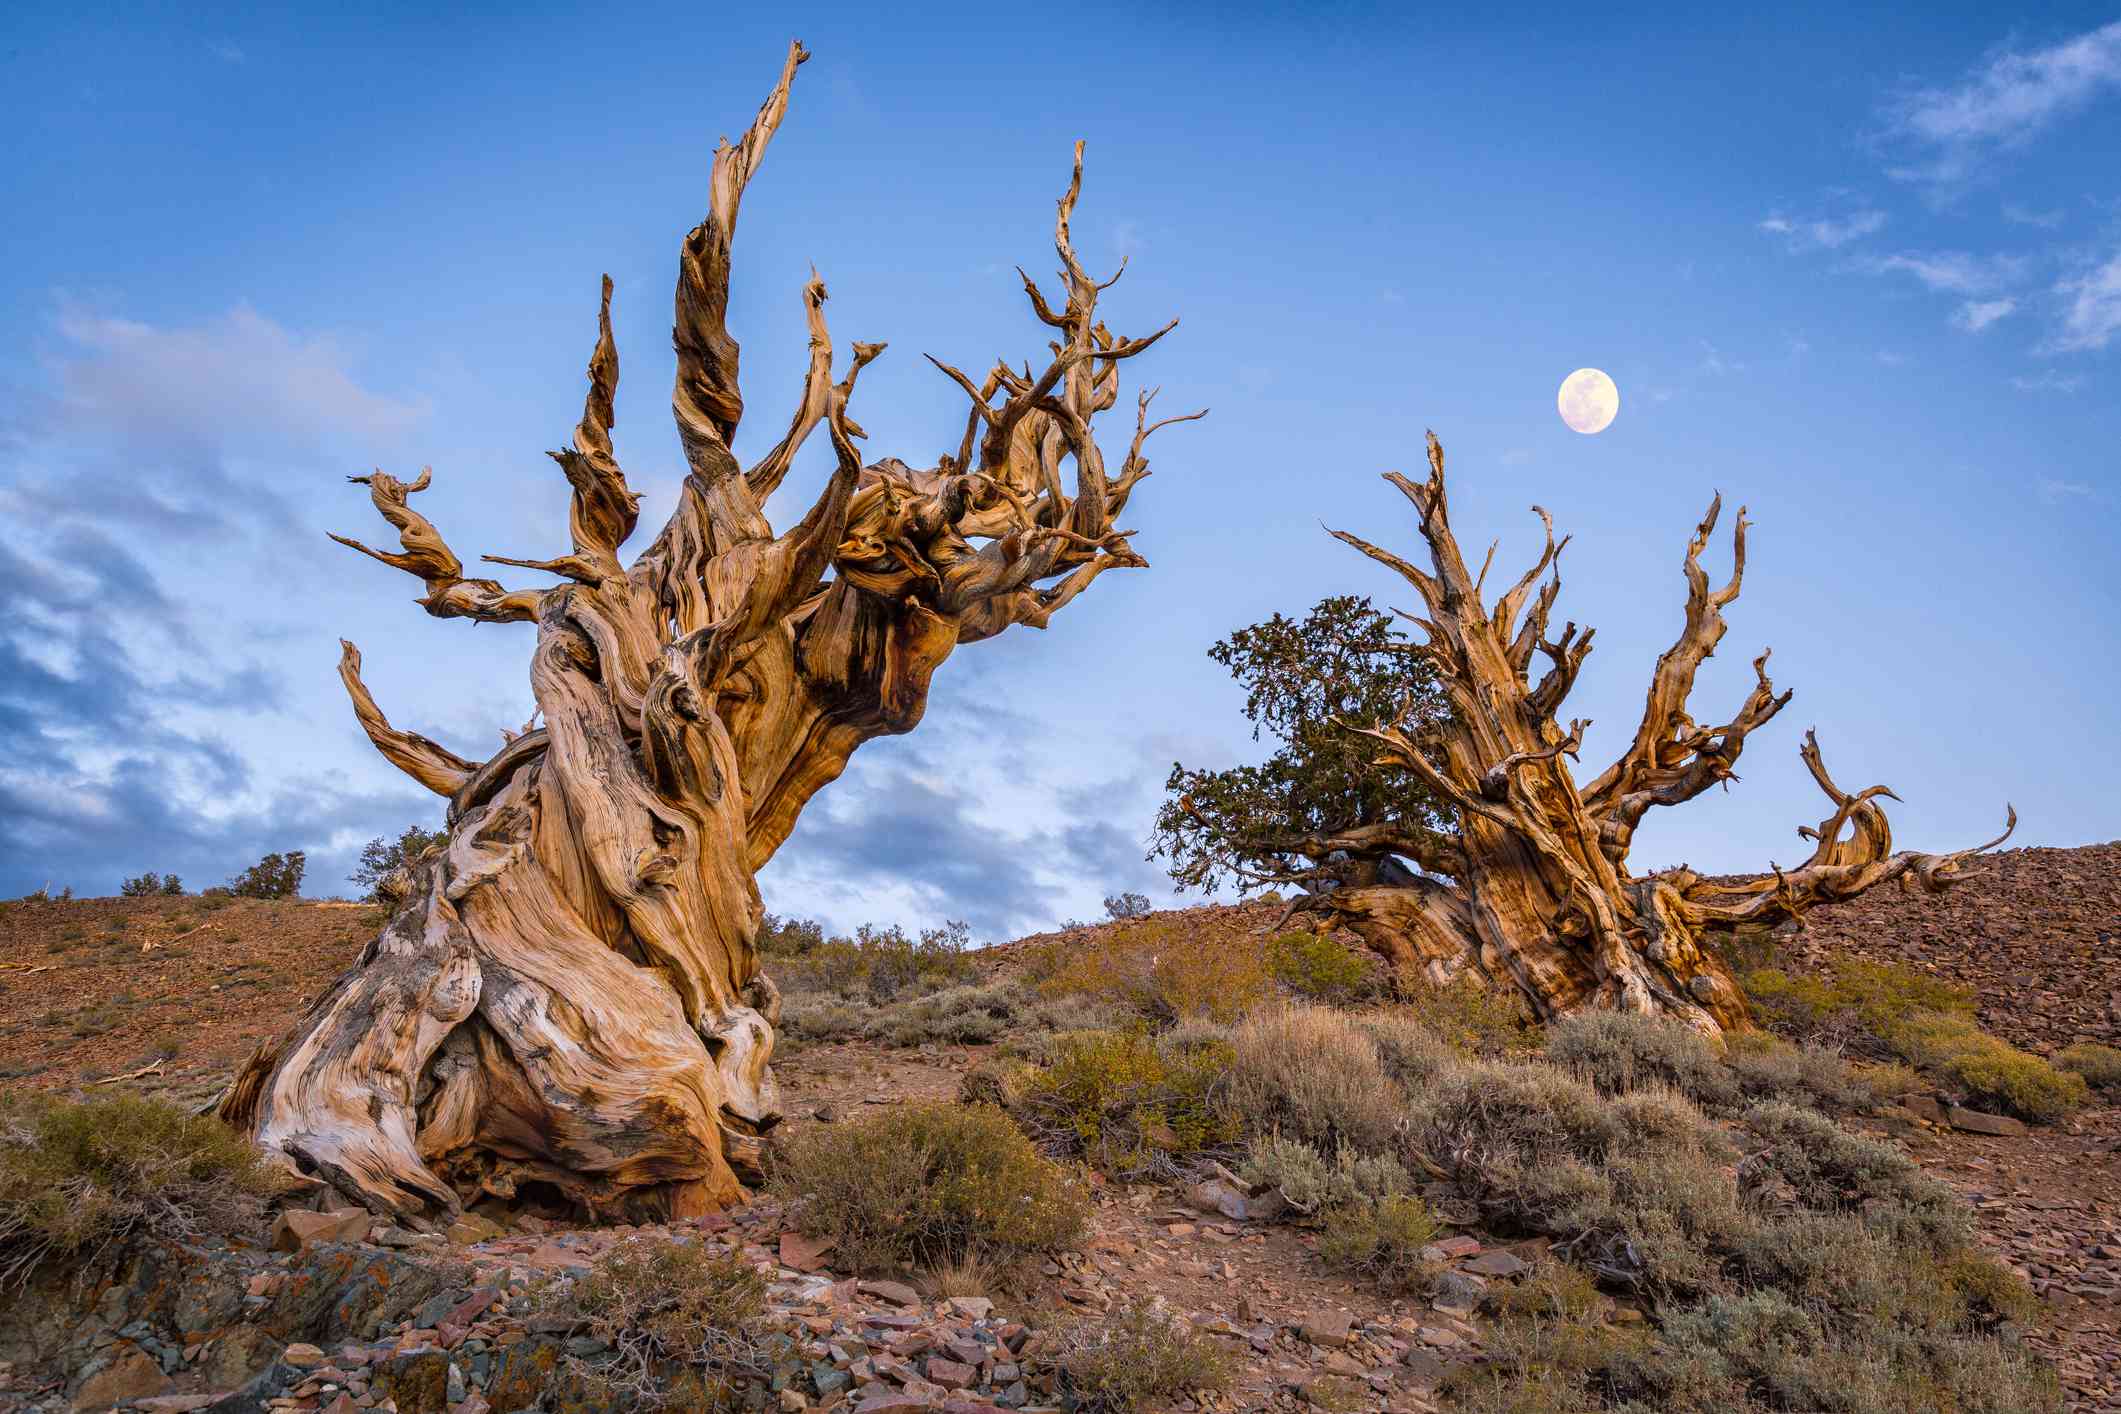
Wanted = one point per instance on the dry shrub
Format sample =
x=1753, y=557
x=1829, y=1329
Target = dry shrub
x=973, y=1013
x=1412, y=1053
x=1742, y=1353
x=1128, y=1103
x=683, y=1324
x=77, y=1178
x=921, y=1185
x=1156, y=970
x=1638, y=1186
x=1316, y=1075
x=1832, y=1170
x=1135, y=1354
x=1770, y=1068
x=1621, y=1051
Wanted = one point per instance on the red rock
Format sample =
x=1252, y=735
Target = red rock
x=296, y=1229
x=1975, y=1122
x=804, y=1254
x=896, y=1292
x=131, y=1376
x=950, y=1374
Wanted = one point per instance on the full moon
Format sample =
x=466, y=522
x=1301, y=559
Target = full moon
x=1588, y=401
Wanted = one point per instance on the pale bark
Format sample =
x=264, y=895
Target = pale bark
x=1533, y=890
x=568, y=993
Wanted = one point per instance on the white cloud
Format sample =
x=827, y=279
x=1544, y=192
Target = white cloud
x=1824, y=232
x=1891, y=359
x=2093, y=314
x=2003, y=103
x=1952, y=271
x=2048, y=382
x=224, y=51
x=191, y=388
x=1976, y=315
x=2053, y=490
x=2023, y=216
x=1713, y=361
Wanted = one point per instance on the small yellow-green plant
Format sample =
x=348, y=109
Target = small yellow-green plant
x=1989, y=1070
x=1472, y=1017
x=1380, y=1240
x=1157, y=970
x=1125, y=1101
x=1320, y=967
x=2099, y=1065
x=76, y=1178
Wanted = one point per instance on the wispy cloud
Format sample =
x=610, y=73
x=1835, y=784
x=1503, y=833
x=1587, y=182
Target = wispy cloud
x=1952, y=271
x=2002, y=103
x=2048, y=382
x=224, y=51
x=1824, y=232
x=1713, y=361
x=135, y=727
x=2023, y=216
x=1976, y=315
x=2092, y=315
x=2053, y=490
x=1891, y=359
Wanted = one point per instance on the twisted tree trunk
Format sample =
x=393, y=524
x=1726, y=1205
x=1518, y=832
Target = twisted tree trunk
x=1533, y=889
x=567, y=992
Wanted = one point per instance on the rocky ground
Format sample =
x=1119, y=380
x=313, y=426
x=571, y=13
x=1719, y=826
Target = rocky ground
x=181, y=991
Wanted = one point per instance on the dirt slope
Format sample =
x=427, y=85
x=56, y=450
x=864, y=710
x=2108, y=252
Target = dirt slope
x=101, y=987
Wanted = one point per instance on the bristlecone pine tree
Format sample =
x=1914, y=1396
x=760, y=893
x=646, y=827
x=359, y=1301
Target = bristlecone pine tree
x=567, y=992
x=1532, y=888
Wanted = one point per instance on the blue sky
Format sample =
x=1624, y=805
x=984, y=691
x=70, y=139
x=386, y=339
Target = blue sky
x=1860, y=271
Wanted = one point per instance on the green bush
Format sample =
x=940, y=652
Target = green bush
x=875, y=966
x=1380, y=1240
x=150, y=885
x=683, y=1325
x=1126, y=1102
x=928, y=1184
x=1472, y=1017
x=2099, y=1065
x=76, y=1178
x=1135, y=1354
x=382, y=857
x=1893, y=1010
x=970, y=1013
x=1320, y=967
x=274, y=876
x=1311, y=1183
x=1853, y=997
